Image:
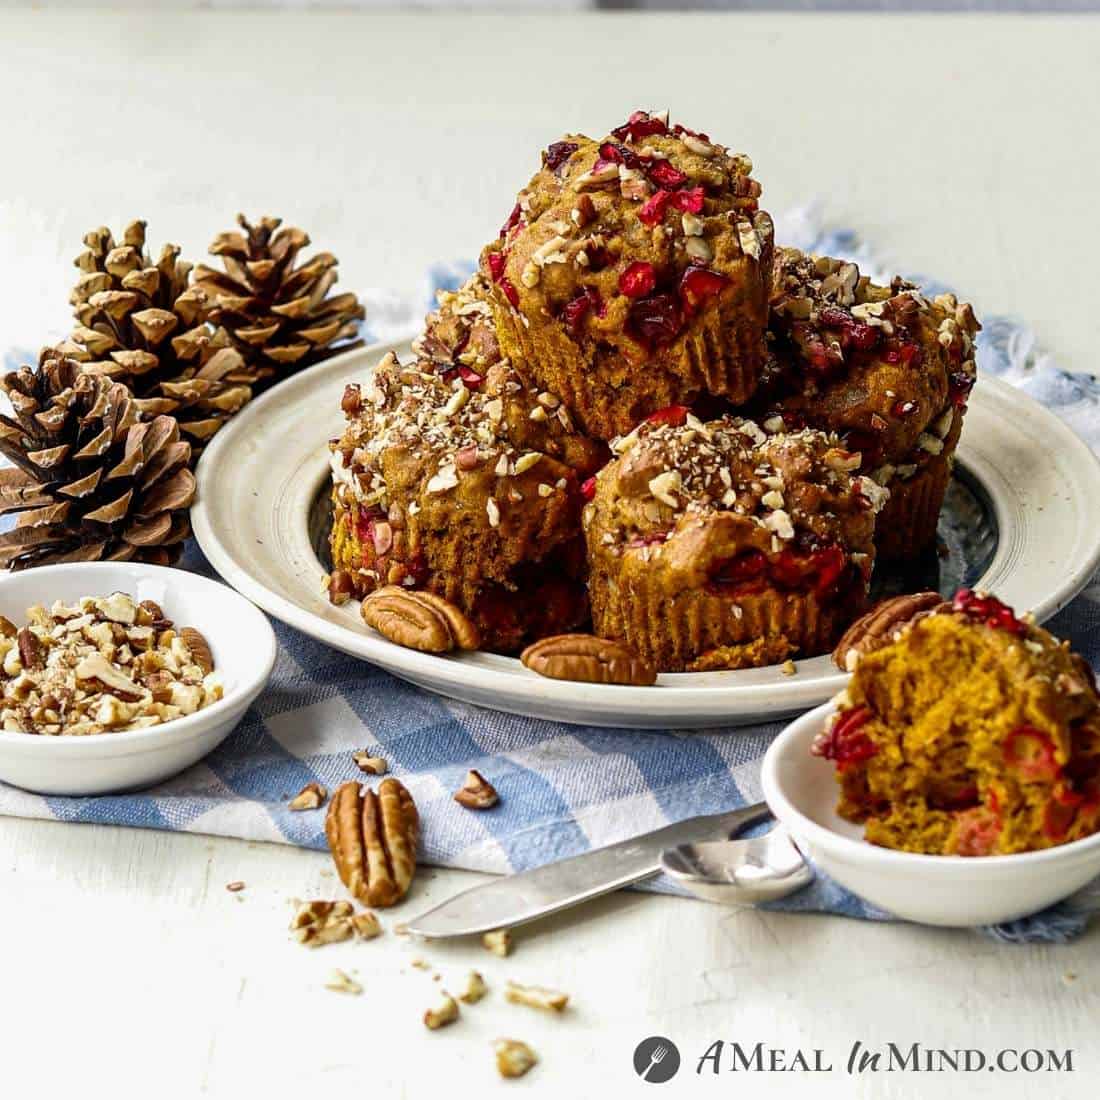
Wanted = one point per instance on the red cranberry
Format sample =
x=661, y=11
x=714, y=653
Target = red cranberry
x=676, y=415
x=904, y=408
x=845, y=743
x=698, y=285
x=364, y=525
x=610, y=153
x=640, y=124
x=558, y=153
x=666, y=175
x=820, y=569
x=652, y=539
x=653, y=209
x=690, y=200
x=679, y=130
x=574, y=311
x=638, y=280
x=976, y=832
x=655, y=320
x=988, y=610
x=514, y=219
x=1061, y=812
x=496, y=261
x=740, y=572
x=470, y=378
x=863, y=336
x=1030, y=751
x=959, y=386
x=588, y=488
x=834, y=317
x=509, y=291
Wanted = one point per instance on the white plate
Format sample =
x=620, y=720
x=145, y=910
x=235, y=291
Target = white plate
x=955, y=891
x=1030, y=479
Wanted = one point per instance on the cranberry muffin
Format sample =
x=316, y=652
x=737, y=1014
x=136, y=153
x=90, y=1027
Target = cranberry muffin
x=886, y=368
x=633, y=273
x=969, y=732
x=720, y=545
x=452, y=477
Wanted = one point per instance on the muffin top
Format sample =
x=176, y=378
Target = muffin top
x=884, y=366
x=623, y=240
x=726, y=501
x=458, y=414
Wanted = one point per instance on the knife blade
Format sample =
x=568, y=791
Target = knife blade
x=529, y=895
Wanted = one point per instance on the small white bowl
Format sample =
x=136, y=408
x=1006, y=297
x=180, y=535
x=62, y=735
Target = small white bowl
x=241, y=641
x=954, y=891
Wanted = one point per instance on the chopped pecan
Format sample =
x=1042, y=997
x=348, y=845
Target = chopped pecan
x=319, y=922
x=200, y=649
x=476, y=792
x=372, y=765
x=514, y=1058
x=879, y=626
x=373, y=840
x=30, y=649
x=341, y=587
x=475, y=989
x=342, y=982
x=311, y=797
x=419, y=620
x=536, y=996
x=498, y=942
x=589, y=659
x=446, y=1012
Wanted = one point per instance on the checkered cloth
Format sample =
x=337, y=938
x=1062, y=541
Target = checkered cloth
x=564, y=789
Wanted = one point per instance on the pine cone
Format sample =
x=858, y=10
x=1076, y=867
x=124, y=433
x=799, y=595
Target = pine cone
x=277, y=314
x=145, y=325
x=91, y=478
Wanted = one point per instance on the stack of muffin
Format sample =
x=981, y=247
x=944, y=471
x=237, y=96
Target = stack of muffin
x=640, y=411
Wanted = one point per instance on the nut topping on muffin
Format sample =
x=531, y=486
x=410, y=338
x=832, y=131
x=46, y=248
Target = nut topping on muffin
x=719, y=544
x=884, y=366
x=633, y=272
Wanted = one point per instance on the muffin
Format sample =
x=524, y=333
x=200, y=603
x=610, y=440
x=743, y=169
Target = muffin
x=720, y=545
x=633, y=273
x=884, y=367
x=968, y=731
x=452, y=477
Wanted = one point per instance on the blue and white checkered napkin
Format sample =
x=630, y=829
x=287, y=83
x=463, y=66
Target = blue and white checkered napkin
x=564, y=789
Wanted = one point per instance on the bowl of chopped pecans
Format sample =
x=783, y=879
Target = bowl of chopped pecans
x=116, y=675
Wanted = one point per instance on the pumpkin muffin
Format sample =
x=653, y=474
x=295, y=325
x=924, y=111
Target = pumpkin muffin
x=452, y=477
x=968, y=731
x=720, y=545
x=884, y=367
x=633, y=274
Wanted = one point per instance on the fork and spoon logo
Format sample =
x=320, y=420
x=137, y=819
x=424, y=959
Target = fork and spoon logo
x=656, y=1059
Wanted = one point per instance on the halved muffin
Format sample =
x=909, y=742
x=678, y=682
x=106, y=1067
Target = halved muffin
x=886, y=368
x=633, y=273
x=721, y=545
x=452, y=477
x=968, y=731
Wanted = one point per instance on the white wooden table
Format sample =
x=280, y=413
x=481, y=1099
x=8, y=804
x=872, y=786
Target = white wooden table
x=971, y=146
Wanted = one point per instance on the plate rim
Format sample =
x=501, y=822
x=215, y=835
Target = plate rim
x=681, y=700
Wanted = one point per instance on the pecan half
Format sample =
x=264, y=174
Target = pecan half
x=373, y=840
x=878, y=627
x=419, y=620
x=588, y=658
x=476, y=792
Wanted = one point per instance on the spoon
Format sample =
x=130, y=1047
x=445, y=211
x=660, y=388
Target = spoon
x=740, y=872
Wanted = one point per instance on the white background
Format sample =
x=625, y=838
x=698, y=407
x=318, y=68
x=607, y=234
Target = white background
x=968, y=147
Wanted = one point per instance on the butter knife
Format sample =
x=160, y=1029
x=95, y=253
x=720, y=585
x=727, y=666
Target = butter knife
x=529, y=895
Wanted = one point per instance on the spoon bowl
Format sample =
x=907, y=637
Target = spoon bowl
x=740, y=872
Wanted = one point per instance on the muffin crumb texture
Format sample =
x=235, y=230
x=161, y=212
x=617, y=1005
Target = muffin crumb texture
x=972, y=733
